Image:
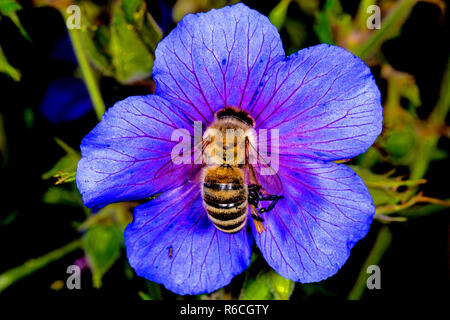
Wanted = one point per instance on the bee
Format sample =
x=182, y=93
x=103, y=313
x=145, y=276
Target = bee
x=229, y=179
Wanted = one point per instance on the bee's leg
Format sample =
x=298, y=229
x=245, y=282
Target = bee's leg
x=254, y=188
x=257, y=218
x=252, y=200
x=272, y=205
x=254, y=194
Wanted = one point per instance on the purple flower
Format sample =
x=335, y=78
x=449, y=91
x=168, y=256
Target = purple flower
x=326, y=106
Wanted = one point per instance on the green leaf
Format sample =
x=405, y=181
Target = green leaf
x=384, y=188
x=154, y=290
x=6, y=68
x=325, y=20
x=144, y=296
x=267, y=285
x=278, y=14
x=401, y=142
x=66, y=167
x=67, y=164
x=150, y=32
x=281, y=288
x=134, y=9
x=131, y=58
x=383, y=196
x=118, y=214
x=411, y=92
x=310, y=7
x=9, y=8
x=146, y=27
x=102, y=245
x=125, y=48
x=55, y=195
x=257, y=288
x=322, y=28
x=94, y=50
x=95, y=38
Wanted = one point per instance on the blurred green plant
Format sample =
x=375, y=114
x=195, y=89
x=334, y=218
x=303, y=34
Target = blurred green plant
x=183, y=7
x=6, y=68
x=13, y=275
x=64, y=170
x=406, y=140
x=102, y=245
x=9, y=8
x=125, y=48
x=278, y=14
x=266, y=285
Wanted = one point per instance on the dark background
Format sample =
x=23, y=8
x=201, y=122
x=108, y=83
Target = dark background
x=414, y=267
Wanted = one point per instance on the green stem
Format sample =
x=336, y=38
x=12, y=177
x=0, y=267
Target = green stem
x=361, y=16
x=389, y=26
x=427, y=145
x=423, y=210
x=439, y=113
x=424, y=153
x=382, y=242
x=86, y=71
x=13, y=275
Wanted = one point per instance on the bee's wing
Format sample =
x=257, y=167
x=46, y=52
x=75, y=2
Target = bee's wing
x=170, y=168
x=270, y=182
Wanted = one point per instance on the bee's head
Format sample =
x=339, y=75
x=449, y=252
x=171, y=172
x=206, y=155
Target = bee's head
x=235, y=113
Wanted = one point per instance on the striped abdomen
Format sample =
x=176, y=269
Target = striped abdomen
x=225, y=197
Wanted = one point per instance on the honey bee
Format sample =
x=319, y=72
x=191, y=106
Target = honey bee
x=229, y=180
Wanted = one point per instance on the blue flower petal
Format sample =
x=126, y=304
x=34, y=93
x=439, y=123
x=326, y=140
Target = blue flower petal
x=66, y=99
x=324, y=101
x=216, y=59
x=171, y=241
x=326, y=210
x=123, y=156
